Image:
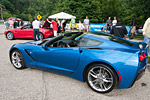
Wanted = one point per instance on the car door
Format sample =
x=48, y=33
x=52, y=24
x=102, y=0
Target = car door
x=26, y=32
x=58, y=59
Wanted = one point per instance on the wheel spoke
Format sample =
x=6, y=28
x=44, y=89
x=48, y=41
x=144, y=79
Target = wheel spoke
x=108, y=80
x=101, y=86
x=19, y=65
x=13, y=57
x=104, y=86
x=100, y=71
x=95, y=80
x=95, y=83
x=103, y=72
x=93, y=74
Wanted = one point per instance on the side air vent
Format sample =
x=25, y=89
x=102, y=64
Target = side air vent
x=29, y=55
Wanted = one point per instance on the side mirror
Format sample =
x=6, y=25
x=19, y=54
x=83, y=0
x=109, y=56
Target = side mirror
x=44, y=46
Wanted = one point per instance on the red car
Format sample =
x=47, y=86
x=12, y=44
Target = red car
x=26, y=32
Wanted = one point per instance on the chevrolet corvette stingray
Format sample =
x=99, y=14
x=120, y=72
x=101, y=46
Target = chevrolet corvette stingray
x=105, y=62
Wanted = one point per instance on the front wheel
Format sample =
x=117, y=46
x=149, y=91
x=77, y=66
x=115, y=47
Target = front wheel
x=101, y=78
x=10, y=36
x=17, y=59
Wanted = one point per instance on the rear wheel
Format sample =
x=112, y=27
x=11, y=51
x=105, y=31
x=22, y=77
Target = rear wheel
x=41, y=36
x=10, y=36
x=101, y=78
x=17, y=59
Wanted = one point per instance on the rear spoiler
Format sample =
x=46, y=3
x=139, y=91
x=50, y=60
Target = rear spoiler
x=141, y=45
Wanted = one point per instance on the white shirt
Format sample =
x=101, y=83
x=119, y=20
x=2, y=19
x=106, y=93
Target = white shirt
x=114, y=22
x=36, y=24
x=146, y=28
x=86, y=21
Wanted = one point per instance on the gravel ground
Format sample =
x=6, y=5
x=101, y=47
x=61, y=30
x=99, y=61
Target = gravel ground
x=33, y=84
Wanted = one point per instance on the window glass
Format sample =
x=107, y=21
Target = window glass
x=27, y=27
x=88, y=42
x=113, y=38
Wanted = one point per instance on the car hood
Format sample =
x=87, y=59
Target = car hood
x=46, y=24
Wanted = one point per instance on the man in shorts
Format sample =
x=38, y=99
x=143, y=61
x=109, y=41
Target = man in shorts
x=54, y=26
x=86, y=24
x=133, y=27
x=72, y=23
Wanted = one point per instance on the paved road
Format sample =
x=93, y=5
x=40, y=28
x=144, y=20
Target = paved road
x=33, y=84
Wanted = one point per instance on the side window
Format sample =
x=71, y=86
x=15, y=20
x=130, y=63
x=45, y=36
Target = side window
x=27, y=27
x=84, y=42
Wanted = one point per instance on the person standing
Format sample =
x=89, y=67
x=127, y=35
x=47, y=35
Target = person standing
x=11, y=23
x=133, y=23
x=146, y=33
x=86, y=24
x=114, y=22
x=6, y=25
x=54, y=26
x=80, y=26
x=72, y=23
x=119, y=30
x=58, y=25
x=36, y=26
x=64, y=25
x=62, y=22
x=108, y=23
x=15, y=23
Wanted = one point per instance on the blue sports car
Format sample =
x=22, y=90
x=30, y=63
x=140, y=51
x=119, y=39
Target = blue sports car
x=105, y=62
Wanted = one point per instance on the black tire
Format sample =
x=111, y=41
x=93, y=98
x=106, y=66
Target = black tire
x=18, y=61
x=10, y=36
x=101, y=78
x=41, y=36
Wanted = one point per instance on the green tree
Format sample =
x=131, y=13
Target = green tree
x=30, y=18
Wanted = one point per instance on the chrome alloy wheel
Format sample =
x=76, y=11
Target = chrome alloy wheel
x=100, y=79
x=41, y=36
x=10, y=35
x=16, y=59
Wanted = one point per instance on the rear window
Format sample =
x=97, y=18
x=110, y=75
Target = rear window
x=85, y=42
x=113, y=38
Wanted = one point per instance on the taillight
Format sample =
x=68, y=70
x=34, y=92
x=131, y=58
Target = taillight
x=142, y=57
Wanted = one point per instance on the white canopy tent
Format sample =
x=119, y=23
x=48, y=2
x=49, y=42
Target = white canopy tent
x=62, y=15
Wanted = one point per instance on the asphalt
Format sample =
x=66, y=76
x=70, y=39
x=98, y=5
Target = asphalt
x=33, y=84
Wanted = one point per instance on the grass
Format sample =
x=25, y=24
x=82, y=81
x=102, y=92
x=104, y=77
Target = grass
x=1, y=23
x=136, y=37
x=148, y=60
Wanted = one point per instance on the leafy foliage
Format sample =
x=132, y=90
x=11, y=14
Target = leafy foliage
x=97, y=10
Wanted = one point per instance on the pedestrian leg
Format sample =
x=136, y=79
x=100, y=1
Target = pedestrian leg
x=38, y=34
x=34, y=34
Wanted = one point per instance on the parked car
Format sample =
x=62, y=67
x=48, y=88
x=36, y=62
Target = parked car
x=26, y=32
x=105, y=62
x=26, y=23
x=138, y=30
